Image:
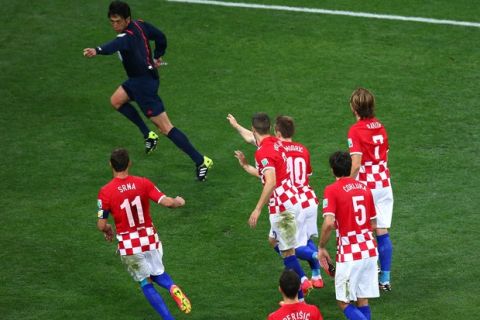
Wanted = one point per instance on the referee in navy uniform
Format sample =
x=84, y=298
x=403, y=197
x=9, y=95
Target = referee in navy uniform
x=140, y=63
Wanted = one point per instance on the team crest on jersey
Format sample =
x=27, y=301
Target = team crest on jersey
x=350, y=143
x=264, y=162
x=325, y=203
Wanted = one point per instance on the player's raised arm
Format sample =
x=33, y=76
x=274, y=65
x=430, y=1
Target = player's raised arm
x=246, y=134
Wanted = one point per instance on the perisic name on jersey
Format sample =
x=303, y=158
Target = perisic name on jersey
x=299, y=315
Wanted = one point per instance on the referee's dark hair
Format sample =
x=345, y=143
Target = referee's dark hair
x=261, y=123
x=119, y=8
x=341, y=164
x=290, y=283
x=119, y=159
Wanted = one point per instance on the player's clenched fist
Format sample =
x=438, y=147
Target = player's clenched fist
x=89, y=52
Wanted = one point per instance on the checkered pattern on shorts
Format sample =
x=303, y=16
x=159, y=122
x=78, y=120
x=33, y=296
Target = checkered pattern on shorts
x=356, y=246
x=307, y=197
x=283, y=197
x=142, y=240
x=375, y=176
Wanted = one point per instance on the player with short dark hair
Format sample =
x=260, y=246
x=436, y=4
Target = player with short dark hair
x=127, y=199
x=298, y=159
x=368, y=144
x=278, y=191
x=291, y=308
x=348, y=207
x=141, y=65
x=298, y=163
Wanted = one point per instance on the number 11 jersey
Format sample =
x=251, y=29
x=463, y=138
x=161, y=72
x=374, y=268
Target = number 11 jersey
x=128, y=200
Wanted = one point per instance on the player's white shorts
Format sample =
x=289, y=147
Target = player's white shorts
x=383, y=199
x=356, y=279
x=302, y=230
x=300, y=220
x=283, y=228
x=311, y=214
x=144, y=264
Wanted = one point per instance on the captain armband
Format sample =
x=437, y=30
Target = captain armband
x=103, y=214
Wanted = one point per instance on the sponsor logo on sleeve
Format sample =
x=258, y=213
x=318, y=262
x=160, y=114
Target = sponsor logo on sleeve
x=325, y=203
x=350, y=143
x=99, y=204
x=264, y=162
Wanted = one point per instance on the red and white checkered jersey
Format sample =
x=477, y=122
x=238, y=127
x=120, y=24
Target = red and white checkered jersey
x=298, y=162
x=368, y=138
x=271, y=154
x=144, y=239
x=128, y=200
x=351, y=203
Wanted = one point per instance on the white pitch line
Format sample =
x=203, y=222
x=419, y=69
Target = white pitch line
x=332, y=12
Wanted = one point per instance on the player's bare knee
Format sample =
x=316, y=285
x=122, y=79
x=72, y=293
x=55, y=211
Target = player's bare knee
x=116, y=103
x=342, y=304
x=361, y=302
x=272, y=241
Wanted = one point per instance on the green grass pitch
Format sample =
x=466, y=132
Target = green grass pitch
x=57, y=131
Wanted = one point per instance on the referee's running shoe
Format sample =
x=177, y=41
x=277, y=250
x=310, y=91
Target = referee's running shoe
x=202, y=169
x=151, y=142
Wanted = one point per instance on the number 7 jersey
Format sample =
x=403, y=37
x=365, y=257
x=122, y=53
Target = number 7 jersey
x=368, y=138
x=128, y=200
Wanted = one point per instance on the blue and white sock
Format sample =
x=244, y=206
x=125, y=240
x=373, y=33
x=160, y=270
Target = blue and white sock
x=352, y=313
x=291, y=262
x=366, y=311
x=163, y=280
x=385, y=256
x=156, y=301
x=306, y=253
x=312, y=245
